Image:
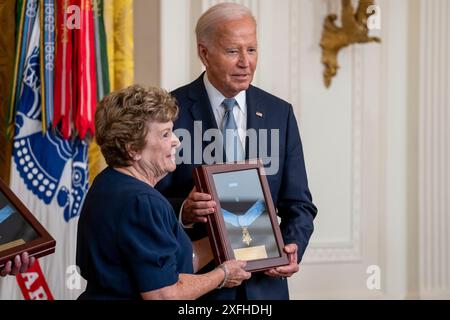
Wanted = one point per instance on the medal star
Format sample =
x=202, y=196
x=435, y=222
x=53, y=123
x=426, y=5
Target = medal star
x=246, y=238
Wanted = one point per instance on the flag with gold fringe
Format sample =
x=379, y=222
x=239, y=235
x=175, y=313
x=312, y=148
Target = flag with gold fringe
x=101, y=50
x=117, y=17
x=119, y=21
x=52, y=114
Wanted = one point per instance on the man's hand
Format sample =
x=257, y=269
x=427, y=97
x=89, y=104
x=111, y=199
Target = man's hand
x=21, y=264
x=291, y=268
x=196, y=207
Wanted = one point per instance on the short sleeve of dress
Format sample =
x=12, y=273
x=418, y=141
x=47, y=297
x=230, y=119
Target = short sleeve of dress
x=148, y=243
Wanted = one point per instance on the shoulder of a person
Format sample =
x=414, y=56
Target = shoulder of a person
x=268, y=98
x=186, y=93
x=182, y=93
x=155, y=199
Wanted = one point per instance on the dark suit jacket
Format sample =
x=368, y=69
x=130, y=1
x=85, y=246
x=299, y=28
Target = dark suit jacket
x=289, y=187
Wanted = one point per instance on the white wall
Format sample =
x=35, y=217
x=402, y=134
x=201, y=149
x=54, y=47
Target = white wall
x=376, y=143
x=434, y=150
x=147, y=39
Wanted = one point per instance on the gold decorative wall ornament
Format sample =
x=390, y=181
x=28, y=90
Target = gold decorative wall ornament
x=354, y=30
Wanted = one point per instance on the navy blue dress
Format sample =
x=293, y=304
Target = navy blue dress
x=129, y=240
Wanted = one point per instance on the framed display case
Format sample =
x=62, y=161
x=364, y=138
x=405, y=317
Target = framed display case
x=245, y=225
x=20, y=231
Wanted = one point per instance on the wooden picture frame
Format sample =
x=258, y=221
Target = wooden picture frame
x=20, y=231
x=245, y=225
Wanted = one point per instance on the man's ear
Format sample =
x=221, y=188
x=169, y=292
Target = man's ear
x=202, y=51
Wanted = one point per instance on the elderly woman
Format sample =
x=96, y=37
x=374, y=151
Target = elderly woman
x=130, y=244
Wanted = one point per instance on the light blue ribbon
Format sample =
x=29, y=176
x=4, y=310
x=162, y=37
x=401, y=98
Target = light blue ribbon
x=5, y=213
x=246, y=219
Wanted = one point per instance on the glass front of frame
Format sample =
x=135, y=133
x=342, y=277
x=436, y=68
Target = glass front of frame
x=244, y=211
x=14, y=229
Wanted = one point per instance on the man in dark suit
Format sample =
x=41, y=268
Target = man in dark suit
x=227, y=47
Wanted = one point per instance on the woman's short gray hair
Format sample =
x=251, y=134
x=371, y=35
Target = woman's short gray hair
x=121, y=120
x=214, y=16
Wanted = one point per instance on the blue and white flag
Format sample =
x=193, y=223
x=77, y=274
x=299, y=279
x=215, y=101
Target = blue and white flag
x=50, y=175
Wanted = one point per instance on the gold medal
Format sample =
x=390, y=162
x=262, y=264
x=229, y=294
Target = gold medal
x=246, y=238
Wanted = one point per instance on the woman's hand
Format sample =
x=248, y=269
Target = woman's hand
x=235, y=273
x=21, y=264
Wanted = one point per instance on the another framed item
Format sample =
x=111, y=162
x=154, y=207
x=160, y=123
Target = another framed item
x=244, y=226
x=19, y=229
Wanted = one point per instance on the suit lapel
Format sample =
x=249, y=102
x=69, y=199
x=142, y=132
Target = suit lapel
x=256, y=114
x=201, y=109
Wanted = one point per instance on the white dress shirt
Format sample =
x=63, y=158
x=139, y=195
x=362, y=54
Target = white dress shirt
x=240, y=113
x=240, y=116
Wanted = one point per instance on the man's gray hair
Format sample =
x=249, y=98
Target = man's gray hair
x=214, y=16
